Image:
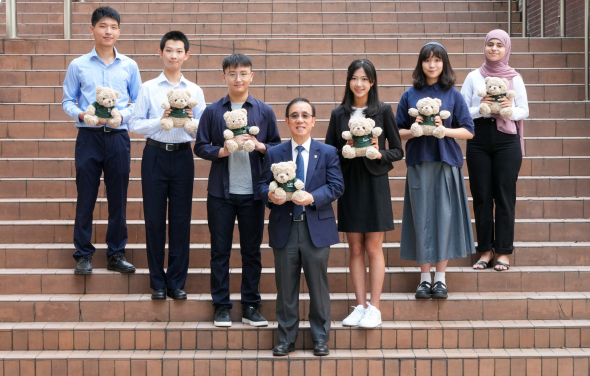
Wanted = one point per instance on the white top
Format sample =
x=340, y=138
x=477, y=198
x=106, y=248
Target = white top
x=240, y=171
x=148, y=110
x=358, y=113
x=475, y=81
x=305, y=154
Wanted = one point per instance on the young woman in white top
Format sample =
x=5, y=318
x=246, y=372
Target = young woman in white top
x=494, y=155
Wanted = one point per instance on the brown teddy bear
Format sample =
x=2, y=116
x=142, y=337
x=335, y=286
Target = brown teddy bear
x=237, y=124
x=286, y=185
x=428, y=108
x=103, y=110
x=179, y=101
x=498, y=88
x=361, y=131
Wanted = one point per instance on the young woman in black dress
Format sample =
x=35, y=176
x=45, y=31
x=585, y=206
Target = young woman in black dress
x=364, y=211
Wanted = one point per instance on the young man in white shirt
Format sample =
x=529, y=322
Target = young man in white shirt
x=167, y=169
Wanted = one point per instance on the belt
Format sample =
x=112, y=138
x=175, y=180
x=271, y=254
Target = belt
x=484, y=120
x=302, y=217
x=103, y=129
x=169, y=147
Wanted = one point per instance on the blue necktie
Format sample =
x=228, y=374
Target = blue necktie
x=300, y=174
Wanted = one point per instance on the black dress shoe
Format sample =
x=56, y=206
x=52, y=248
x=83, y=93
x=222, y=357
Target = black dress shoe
x=118, y=263
x=158, y=294
x=439, y=291
x=83, y=265
x=320, y=348
x=424, y=290
x=283, y=349
x=176, y=294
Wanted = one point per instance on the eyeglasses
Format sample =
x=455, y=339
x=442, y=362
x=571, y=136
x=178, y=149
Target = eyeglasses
x=234, y=75
x=304, y=116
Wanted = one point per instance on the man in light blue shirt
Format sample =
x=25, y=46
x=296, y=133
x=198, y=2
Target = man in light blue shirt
x=167, y=169
x=101, y=148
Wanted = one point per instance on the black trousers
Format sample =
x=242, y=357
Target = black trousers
x=493, y=160
x=167, y=179
x=98, y=151
x=221, y=217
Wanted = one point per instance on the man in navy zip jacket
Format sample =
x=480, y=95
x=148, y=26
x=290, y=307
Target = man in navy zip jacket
x=233, y=179
x=302, y=231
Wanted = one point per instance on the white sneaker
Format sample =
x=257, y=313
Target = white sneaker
x=371, y=319
x=355, y=317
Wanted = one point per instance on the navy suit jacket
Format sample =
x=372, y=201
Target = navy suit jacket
x=324, y=182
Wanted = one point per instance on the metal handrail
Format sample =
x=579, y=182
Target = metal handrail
x=67, y=19
x=586, y=63
x=11, y=23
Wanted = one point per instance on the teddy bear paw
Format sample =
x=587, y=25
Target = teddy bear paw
x=372, y=153
x=166, y=124
x=249, y=146
x=191, y=126
x=484, y=109
x=280, y=193
x=506, y=112
x=439, y=132
x=348, y=152
x=416, y=130
x=254, y=130
x=90, y=120
x=232, y=146
x=297, y=195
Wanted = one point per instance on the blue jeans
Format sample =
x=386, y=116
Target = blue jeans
x=221, y=216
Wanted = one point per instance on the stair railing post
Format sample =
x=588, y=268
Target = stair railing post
x=542, y=18
x=524, y=20
x=586, y=67
x=67, y=19
x=562, y=18
x=509, y=17
x=11, y=23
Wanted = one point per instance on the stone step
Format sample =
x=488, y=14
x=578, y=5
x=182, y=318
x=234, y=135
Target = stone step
x=286, y=92
x=65, y=208
x=551, y=129
x=65, y=147
x=249, y=44
x=203, y=336
x=426, y=362
x=393, y=306
x=299, y=60
x=39, y=112
x=65, y=167
x=59, y=255
x=275, y=76
x=397, y=280
x=527, y=186
x=61, y=231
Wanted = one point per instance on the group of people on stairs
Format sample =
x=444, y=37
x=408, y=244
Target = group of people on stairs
x=436, y=223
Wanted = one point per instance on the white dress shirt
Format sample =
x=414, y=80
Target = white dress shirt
x=475, y=81
x=305, y=154
x=148, y=110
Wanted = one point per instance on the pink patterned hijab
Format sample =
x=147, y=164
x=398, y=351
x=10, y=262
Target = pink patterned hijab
x=501, y=69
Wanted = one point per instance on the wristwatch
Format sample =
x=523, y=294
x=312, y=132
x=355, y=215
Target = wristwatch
x=312, y=203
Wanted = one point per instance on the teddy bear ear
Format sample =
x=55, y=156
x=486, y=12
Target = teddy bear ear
x=506, y=82
x=226, y=115
x=188, y=93
x=292, y=164
x=487, y=79
x=98, y=90
x=272, y=167
x=116, y=94
x=243, y=110
x=371, y=122
x=438, y=102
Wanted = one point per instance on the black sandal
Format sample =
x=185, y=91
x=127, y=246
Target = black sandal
x=501, y=264
x=485, y=265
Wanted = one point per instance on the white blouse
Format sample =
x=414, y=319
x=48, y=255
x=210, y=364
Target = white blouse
x=475, y=81
x=358, y=112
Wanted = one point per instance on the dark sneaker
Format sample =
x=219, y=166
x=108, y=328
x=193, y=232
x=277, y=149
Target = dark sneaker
x=439, y=291
x=118, y=263
x=424, y=290
x=83, y=265
x=251, y=315
x=222, y=317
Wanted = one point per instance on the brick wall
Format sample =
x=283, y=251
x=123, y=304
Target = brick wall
x=574, y=18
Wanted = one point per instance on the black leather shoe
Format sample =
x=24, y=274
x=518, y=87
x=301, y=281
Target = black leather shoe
x=222, y=317
x=424, y=290
x=283, y=349
x=83, y=265
x=320, y=348
x=439, y=291
x=158, y=294
x=118, y=263
x=176, y=294
x=251, y=315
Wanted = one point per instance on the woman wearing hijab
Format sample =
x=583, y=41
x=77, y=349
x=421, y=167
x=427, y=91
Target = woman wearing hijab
x=494, y=155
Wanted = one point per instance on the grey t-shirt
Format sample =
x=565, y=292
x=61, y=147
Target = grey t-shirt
x=240, y=172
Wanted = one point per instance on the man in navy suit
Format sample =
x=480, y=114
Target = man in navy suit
x=302, y=231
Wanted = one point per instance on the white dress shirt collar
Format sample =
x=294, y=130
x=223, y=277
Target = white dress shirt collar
x=306, y=145
x=162, y=78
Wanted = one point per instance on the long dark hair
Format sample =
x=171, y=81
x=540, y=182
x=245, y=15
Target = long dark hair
x=447, y=77
x=373, y=104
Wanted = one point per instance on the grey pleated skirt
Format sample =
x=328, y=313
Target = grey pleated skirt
x=436, y=224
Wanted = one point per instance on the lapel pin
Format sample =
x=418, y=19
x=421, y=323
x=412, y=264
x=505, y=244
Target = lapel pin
x=315, y=156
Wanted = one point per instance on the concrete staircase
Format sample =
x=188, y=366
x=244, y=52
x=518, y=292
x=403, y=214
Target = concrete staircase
x=531, y=320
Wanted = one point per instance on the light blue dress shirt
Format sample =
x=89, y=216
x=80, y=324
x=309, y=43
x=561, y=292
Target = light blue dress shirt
x=88, y=72
x=148, y=110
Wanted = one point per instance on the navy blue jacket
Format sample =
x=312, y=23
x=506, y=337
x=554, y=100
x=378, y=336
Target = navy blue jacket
x=324, y=182
x=210, y=139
